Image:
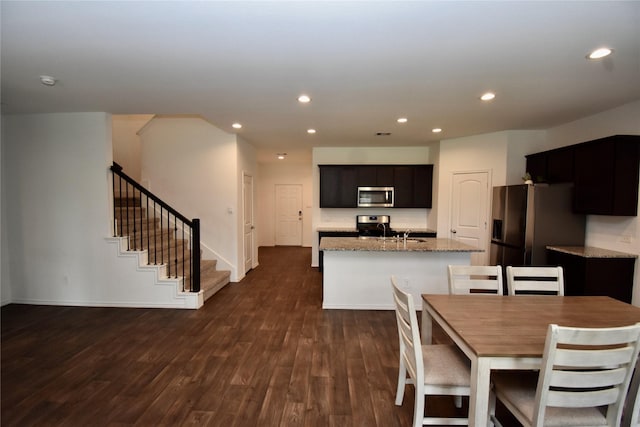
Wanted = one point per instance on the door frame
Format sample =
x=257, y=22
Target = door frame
x=301, y=221
x=254, y=261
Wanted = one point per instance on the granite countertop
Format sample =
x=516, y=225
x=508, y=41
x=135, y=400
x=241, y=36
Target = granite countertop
x=353, y=229
x=412, y=230
x=590, y=252
x=336, y=228
x=422, y=244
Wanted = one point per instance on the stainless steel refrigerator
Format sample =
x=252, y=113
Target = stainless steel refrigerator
x=527, y=218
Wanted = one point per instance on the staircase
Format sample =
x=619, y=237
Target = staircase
x=165, y=238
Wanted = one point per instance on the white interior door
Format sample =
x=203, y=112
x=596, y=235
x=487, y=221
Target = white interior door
x=469, y=216
x=247, y=194
x=289, y=215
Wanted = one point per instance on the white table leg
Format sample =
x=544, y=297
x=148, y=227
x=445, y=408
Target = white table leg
x=479, y=399
x=427, y=327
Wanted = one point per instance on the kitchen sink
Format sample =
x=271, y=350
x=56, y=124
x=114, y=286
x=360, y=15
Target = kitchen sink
x=392, y=239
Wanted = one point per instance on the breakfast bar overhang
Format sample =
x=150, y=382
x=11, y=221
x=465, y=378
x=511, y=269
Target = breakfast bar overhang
x=357, y=271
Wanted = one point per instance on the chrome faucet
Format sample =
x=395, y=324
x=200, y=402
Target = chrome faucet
x=384, y=230
x=405, y=235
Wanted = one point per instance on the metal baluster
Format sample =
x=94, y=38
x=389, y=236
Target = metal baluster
x=140, y=228
x=127, y=210
x=169, y=260
x=175, y=243
x=120, y=206
x=148, y=231
x=184, y=261
x=162, y=241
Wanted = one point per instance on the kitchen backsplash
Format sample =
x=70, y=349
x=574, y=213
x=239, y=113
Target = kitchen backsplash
x=400, y=218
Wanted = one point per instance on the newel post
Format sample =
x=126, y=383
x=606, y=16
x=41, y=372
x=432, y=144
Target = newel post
x=195, y=255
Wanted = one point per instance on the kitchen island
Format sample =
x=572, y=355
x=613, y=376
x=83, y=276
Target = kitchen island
x=357, y=271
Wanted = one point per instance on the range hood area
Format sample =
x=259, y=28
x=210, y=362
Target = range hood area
x=396, y=186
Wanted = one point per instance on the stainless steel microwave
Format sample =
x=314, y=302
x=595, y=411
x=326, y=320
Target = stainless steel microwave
x=375, y=197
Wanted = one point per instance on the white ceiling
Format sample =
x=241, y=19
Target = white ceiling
x=364, y=64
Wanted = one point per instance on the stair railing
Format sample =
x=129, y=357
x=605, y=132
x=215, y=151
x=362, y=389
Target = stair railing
x=142, y=210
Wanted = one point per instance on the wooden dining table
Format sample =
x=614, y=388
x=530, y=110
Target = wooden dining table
x=509, y=332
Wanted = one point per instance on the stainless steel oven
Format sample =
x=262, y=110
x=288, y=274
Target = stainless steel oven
x=373, y=225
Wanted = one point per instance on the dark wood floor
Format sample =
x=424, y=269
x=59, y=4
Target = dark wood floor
x=260, y=352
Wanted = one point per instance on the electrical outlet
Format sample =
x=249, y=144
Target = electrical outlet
x=406, y=283
x=625, y=239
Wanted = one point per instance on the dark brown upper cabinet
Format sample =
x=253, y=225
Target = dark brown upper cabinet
x=606, y=176
x=413, y=184
x=338, y=186
x=553, y=167
x=604, y=171
x=537, y=167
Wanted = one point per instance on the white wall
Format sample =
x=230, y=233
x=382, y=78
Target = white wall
x=272, y=174
x=58, y=215
x=126, y=142
x=500, y=153
x=56, y=206
x=486, y=152
x=5, y=288
x=192, y=165
x=606, y=231
x=341, y=218
x=520, y=144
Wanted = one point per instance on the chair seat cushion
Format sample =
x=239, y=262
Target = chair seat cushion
x=445, y=365
x=518, y=390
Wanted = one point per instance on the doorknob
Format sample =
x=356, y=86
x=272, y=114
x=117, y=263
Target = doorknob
x=453, y=231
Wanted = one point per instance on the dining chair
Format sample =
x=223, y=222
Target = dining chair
x=523, y=280
x=631, y=412
x=583, y=380
x=433, y=369
x=465, y=279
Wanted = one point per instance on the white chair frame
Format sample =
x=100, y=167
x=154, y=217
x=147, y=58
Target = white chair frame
x=525, y=279
x=582, y=369
x=447, y=370
x=631, y=413
x=484, y=278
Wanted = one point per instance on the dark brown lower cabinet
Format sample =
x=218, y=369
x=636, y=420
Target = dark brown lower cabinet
x=609, y=276
x=322, y=234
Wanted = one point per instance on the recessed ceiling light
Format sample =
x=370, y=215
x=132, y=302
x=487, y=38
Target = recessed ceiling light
x=402, y=120
x=281, y=156
x=600, y=53
x=304, y=99
x=311, y=131
x=436, y=130
x=236, y=126
x=48, y=80
x=488, y=96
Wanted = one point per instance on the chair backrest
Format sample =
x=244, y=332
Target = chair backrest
x=465, y=279
x=585, y=367
x=535, y=280
x=408, y=332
